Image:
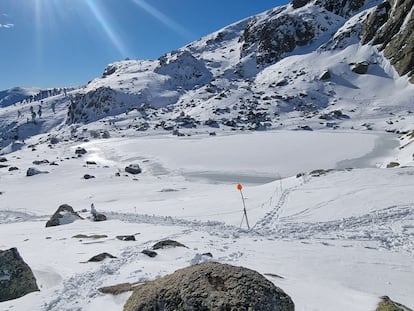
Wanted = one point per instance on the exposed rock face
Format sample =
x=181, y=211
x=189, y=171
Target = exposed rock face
x=16, y=277
x=210, y=286
x=343, y=8
x=94, y=105
x=271, y=39
x=391, y=27
x=64, y=215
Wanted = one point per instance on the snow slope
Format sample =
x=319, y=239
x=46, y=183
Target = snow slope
x=340, y=239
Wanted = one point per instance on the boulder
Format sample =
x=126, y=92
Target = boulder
x=210, y=286
x=325, y=75
x=126, y=237
x=64, y=215
x=167, y=243
x=133, y=169
x=149, y=253
x=87, y=176
x=3, y=159
x=13, y=168
x=80, y=151
x=40, y=162
x=31, y=171
x=360, y=68
x=99, y=217
x=16, y=277
x=100, y=257
x=387, y=304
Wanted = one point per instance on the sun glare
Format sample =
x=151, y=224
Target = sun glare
x=161, y=17
x=104, y=22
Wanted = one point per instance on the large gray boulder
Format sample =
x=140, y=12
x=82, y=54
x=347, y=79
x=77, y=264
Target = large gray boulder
x=64, y=215
x=210, y=286
x=16, y=277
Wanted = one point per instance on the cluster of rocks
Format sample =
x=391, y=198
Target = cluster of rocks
x=65, y=214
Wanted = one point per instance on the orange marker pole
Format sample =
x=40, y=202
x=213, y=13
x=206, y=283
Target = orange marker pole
x=240, y=187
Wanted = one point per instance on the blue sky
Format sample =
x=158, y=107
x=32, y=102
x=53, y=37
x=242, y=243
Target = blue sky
x=53, y=43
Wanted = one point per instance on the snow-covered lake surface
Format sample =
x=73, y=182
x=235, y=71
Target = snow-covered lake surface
x=340, y=238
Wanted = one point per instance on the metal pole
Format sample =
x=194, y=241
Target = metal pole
x=244, y=210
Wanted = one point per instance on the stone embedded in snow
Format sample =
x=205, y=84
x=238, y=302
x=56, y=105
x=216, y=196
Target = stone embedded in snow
x=31, y=171
x=167, y=243
x=64, y=215
x=325, y=75
x=149, y=253
x=80, y=151
x=40, y=162
x=87, y=176
x=360, y=68
x=133, y=169
x=126, y=237
x=99, y=217
x=100, y=257
x=210, y=286
x=3, y=159
x=16, y=277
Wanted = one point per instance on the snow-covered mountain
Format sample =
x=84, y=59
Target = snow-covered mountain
x=16, y=94
x=308, y=64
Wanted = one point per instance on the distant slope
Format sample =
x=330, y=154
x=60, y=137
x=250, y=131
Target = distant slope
x=16, y=94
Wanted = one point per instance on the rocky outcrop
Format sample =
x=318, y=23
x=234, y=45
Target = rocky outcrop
x=269, y=40
x=64, y=215
x=344, y=8
x=390, y=26
x=210, y=286
x=185, y=70
x=97, y=103
x=16, y=277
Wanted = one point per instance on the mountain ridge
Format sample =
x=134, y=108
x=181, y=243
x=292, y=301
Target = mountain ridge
x=305, y=65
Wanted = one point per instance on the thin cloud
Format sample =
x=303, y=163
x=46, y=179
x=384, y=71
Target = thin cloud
x=5, y=21
x=6, y=25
